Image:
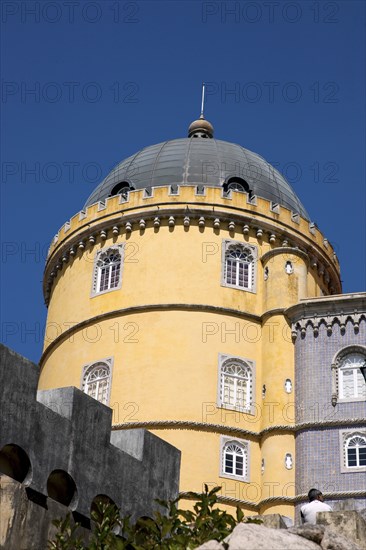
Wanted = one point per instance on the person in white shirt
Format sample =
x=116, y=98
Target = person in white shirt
x=316, y=504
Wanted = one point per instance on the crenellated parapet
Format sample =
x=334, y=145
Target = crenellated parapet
x=195, y=208
x=310, y=316
x=59, y=445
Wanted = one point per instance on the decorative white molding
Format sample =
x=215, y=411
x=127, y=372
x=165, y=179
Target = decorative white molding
x=252, y=200
x=174, y=190
x=312, y=228
x=124, y=197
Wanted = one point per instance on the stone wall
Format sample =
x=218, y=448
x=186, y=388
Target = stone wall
x=59, y=446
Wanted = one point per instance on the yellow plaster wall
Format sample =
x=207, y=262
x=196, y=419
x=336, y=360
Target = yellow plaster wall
x=277, y=480
x=277, y=366
x=165, y=361
x=160, y=358
x=169, y=267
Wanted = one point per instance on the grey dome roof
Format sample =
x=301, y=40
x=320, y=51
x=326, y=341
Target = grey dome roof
x=199, y=161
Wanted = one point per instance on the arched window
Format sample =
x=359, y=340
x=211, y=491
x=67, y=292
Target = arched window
x=121, y=188
x=239, y=266
x=236, y=183
x=356, y=451
x=236, y=385
x=353, y=450
x=234, y=458
x=348, y=383
x=96, y=380
x=351, y=383
x=108, y=270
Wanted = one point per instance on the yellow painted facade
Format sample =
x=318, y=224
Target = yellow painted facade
x=173, y=318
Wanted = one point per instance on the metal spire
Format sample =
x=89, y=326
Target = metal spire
x=203, y=99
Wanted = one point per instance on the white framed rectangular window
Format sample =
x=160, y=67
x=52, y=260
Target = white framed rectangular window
x=349, y=379
x=239, y=265
x=234, y=458
x=96, y=379
x=107, y=270
x=236, y=383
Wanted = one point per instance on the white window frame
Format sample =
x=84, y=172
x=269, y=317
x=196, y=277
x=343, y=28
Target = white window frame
x=227, y=246
x=345, y=437
x=225, y=442
x=338, y=369
x=97, y=270
x=88, y=369
x=249, y=365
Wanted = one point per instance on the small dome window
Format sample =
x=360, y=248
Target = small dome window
x=121, y=188
x=235, y=183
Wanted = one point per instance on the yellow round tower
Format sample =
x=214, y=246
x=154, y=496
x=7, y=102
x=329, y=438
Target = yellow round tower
x=166, y=297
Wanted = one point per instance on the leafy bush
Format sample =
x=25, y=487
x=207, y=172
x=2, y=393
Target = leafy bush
x=175, y=529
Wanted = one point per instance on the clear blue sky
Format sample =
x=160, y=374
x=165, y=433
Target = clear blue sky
x=285, y=79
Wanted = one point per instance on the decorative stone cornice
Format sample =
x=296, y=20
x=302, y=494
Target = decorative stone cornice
x=187, y=206
x=308, y=315
x=223, y=499
x=256, y=506
x=239, y=432
x=79, y=240
x=231, y=201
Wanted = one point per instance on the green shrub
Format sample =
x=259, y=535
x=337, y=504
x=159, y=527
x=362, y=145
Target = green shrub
x=175, y=529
